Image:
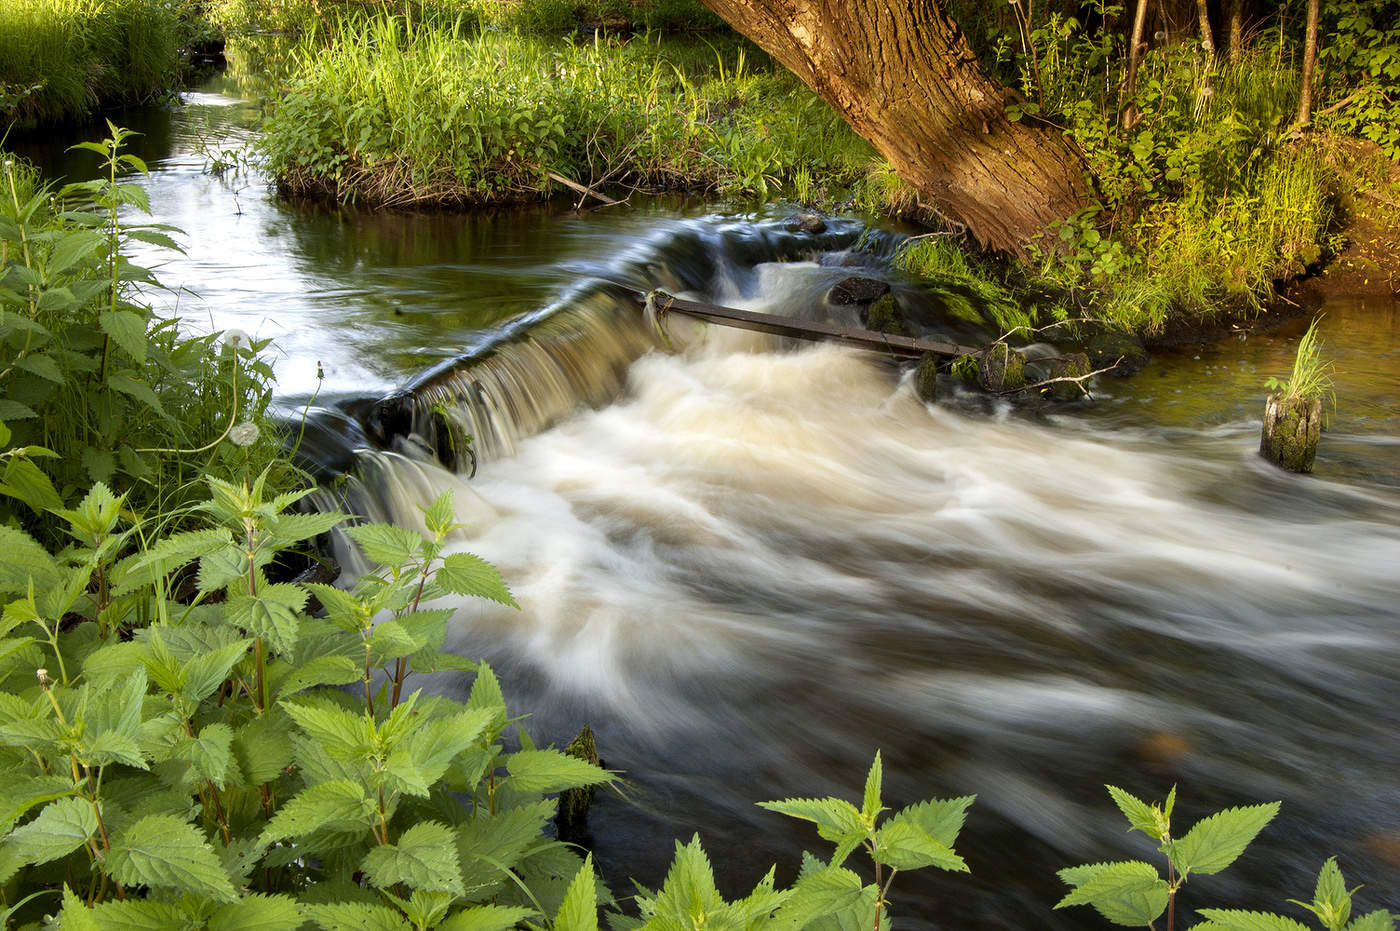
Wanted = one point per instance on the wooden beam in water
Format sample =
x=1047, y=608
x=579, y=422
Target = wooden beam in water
x=893, y=344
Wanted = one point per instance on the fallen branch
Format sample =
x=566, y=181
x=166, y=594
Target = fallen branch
x=1077, y=379
x=581, y=189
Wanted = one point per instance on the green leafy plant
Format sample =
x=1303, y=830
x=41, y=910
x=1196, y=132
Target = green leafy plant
x=1331, y=905
x=1132, y=893
x=1311, y=376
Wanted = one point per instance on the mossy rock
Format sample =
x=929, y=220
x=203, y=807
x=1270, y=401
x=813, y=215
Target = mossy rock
x=1001, y=368
x=926, y=378
x=884, y=315
x=571, y=822
x=1292, y=428
x=806, y=223
x=857, y=290
x=1072, y=365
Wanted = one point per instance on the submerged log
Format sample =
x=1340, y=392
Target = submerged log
x=904, y=346
x=1292, y=427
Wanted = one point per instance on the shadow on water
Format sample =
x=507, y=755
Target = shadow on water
x=749, y=565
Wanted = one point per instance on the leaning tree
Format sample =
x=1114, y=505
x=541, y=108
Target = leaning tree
x=903, y=76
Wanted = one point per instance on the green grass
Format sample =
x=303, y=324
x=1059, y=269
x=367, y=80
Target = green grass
x=391, y=113
x=1311, y=377
x=61, y=60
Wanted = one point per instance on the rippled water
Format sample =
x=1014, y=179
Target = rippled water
x=754, y=565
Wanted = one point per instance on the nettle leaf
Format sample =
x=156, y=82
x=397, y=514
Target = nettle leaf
x=263, y=747
x=579, y=911
x=356, y=916
x=904, y=846
x=391, y=641
x=1129, y=893
x=339, y=805
x=321, y=670
x=423, y=757
x=425, y=857
x=139, y=390
x=832, y=816
x=870, y=803
x=386, y=544
x=486, y=694
x=1217, y=841
x=343, y=734
x=829, y=893
x=128, y=330
x=20, y=793
x=343, y=609
x=261, y=912
x=1331, y=901
x=274, y=613
x=60, y=828
x=293, y=528
x=1139, y=814
x=689, y=891
x=552, y=771
x=490, y=844
x=205, y=673
x=465, y=574
x=24, y=560
x=166, y=556
x=1373, y=921
x=136, y=915
x=1232, y=919
x=211, y=753
x=73, y=248
x=941, y=819
x=164, y=852
x=491, y=918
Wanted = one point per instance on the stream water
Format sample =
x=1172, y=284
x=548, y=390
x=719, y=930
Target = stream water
x=748, y=566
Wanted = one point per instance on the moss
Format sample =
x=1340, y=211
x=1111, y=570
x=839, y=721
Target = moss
x=1292, y=428
x=1002, y=368
x=926, y=377
x=884, y=316
x=572, y=820
x=1071, y=365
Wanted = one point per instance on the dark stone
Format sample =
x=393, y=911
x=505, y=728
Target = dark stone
x=391, y=417
x=884, y=316
x=806, y=223
x=926, y=378
x=1001, y=368
x=1072, y=365
x=855, y=290
x=1107, y=345
x=1292, y=427
x=571, y=822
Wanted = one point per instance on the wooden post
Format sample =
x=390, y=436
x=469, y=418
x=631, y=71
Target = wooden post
x=1292, y=427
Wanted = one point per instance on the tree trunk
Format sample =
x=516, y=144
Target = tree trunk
x=1134, y=55
x=1309, y=63
x=1207, y=37
x=902, y=75
x=1236, y=31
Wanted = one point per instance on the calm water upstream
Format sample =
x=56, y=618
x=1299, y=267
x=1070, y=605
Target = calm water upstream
x=749, y=566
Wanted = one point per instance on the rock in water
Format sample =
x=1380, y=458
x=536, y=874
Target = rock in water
x=1072, y=365
x=1107, y=345
x=571, y=823
x=926, y=377
x=1292, y=427
x=856, y=290
x=1001, y=368
x=806, y=223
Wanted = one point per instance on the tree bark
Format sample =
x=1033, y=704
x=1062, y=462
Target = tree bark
x=1236, y=31
x=903, y=76
x=1134, y=56
x=1309, y=64
x=1207, y=37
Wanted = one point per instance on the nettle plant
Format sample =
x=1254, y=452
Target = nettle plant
x=184, y=745
x=1132, y=893
x=827, y=894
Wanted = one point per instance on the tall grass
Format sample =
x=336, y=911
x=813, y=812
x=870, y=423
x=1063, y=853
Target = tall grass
x=394, y=113
x=63, y=59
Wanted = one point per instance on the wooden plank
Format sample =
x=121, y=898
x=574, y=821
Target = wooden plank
x=905, y=346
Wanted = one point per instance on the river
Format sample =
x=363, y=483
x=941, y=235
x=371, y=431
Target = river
x=748, y=566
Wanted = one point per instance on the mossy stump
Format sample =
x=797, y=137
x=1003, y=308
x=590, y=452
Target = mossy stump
x=571, y=823
x=926, y=378
x=884, y=315
x=1001, y=368
x=1292, y=427
x=1072, y=365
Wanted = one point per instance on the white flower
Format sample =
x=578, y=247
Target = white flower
x=235, y=339
x=245, y=434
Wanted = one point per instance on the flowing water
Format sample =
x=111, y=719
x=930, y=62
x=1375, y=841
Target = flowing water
x=749, y=565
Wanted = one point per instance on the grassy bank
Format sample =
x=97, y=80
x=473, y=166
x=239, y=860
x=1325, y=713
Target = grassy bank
x=61, y=60
x=391, y=113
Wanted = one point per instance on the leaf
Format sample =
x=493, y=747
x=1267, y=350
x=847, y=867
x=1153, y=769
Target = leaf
x=489, y=918
x=1233, y=919
x=205, y=673
x=345, y=736
x=257, y=913
x=546, y=771
x=579, y=911
x=61, y=828
x=1139, y=814
x=339, y=805
x=688, y=892
x=1373, y=921
x=274, y=614
x=490, y=844
x=43, y=366
x=128, y=330
x=263, y=747
x=941, y=819
x=138, y=915
x=355, y=916
x=138, y=389
x=904, y=846
x=423, y=757
x=870, y=804
x=321, y=670
x=1331, y=901
x=465, y=574
x=164, y=852
x=71, y=249
x=828, y=893
x=293, y=528
x=1129, y=893
x=832, y=816
x=382, y=543
x=13, y=410
x=1216, y=841
x=24, y=481
x=24, y=560
x=211, y=752
x=152, y=236
x=425, y=857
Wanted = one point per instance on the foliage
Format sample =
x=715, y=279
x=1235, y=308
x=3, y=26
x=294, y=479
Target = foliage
x=63, y=59
x=400, y=114
x=1311, y=377
x=94, y=384
x=192, y=762
x=1360, y=59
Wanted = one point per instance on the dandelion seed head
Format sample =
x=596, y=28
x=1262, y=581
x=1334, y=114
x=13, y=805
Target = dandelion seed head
x=236, y=339
x=245, y=434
